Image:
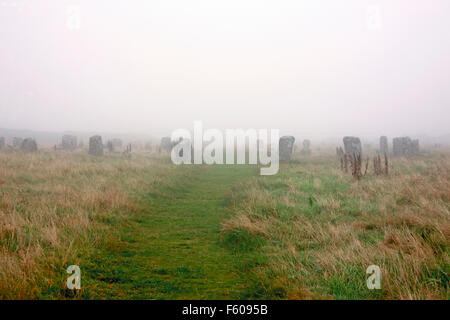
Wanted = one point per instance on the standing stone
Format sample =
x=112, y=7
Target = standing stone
x=166, y=144
x=285, y=147
x=404, y=146
x=17, y=142
x=69, y=142
x=96, y=146
x=398, y=146
x=384, y=149
x=352, y=145
x=306, y=147
x=29, y=145
x=2, y=142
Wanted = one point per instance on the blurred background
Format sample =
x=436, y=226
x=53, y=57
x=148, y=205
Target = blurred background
x=316, y=69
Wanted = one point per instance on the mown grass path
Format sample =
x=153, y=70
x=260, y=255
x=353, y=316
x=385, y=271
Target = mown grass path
x=172, y=250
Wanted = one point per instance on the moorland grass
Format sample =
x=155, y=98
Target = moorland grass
x=143, y=228
x=56, y=207
x=320, y=229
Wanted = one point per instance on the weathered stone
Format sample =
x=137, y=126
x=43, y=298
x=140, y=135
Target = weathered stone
x=69, y=142
x=29, y=145
x=17, y=142
x=404, y=146
x=286, y=146
x=166, y=144
x=352, y=145
x=384, y=145
x=306, y=147
x=2, y=142
x=400, y=146
x=96, y=146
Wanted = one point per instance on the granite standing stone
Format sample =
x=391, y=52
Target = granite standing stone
x=96, y=146
x=2, y=142
x=286, y=146
x=352, y=145
x=306, y=147
x=69, y=142
x=404, y=146
x=166, y=144
x=29, y=145
x=400, y=146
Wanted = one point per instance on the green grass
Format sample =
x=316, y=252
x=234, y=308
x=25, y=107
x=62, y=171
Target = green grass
x=321, y=230
x=143, y=228
x=172, y=248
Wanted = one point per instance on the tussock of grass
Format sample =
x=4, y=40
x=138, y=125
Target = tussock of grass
x=322, y=229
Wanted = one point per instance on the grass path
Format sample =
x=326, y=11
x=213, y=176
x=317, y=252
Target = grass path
x=173, y=250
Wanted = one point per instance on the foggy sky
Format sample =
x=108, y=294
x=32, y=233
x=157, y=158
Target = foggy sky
x=313, y=68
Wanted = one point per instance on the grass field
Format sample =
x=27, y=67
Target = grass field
x=143, y=228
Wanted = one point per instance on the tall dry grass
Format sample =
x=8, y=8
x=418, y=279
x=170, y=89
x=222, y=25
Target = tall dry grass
x=56, y=206
x=319, y=229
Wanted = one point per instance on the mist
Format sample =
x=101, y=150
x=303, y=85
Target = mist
x=315, y=69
